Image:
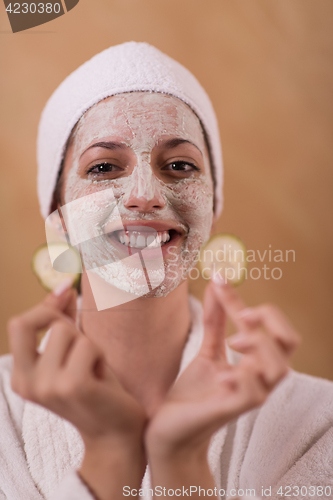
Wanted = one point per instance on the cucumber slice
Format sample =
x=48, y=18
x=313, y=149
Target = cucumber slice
x=226, y=254
x=67, y=258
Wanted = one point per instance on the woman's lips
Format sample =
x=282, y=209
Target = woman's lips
x=148, y=225
x=154, y=237
x=142, y=237
x=133, y=239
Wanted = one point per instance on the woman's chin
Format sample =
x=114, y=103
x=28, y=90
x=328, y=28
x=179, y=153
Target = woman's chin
x=140, y=282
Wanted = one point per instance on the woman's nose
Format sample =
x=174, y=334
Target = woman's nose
x=144, y=192
x=143, y=202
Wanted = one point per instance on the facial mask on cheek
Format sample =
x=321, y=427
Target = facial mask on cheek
x=188, y=201
x=117, y=273
x=194, y=199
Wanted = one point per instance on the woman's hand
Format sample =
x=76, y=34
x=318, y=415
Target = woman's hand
x=71, y=379
x=210, y=392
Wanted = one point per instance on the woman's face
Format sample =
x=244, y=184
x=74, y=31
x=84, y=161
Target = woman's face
x=139, y=162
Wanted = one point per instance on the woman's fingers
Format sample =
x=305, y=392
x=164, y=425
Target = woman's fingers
x=265, y=317
x=241, y=390
x=250, y=390
x=230, y=301
x=82, y=360
x=262, y=356
x=23, y=329
x=59, y=343
x=70, y=308
x=275, y=323
x=267, y=338
x=214, y=319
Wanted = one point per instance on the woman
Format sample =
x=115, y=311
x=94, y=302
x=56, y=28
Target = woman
x=133, y=141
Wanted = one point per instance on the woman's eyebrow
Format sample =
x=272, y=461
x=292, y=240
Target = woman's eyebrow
x=173, y=143
x=113, y=145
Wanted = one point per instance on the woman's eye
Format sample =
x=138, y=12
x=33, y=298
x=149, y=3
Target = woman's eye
x=103, y=168
x=181, y=166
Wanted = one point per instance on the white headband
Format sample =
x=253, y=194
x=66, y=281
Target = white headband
x=128, y=67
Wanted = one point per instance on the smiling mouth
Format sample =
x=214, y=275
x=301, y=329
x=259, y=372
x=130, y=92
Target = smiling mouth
x=144, y=238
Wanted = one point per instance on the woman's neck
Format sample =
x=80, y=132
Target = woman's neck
x=142, y=340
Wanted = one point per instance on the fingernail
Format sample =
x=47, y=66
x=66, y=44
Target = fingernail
x=62, y=287
x=245, y=313
x=218, y=280
x=239, y=339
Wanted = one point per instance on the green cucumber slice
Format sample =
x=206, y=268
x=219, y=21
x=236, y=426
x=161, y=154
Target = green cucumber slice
x=42, y=267
x=226, y=254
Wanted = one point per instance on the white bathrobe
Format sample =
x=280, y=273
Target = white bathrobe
x=287, y=442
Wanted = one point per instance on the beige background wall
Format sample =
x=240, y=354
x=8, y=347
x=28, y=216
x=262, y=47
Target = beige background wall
x=267, y=66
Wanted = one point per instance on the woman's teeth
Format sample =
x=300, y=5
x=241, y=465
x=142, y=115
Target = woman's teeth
x=141, y=240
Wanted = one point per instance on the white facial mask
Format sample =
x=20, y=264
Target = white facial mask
x=140, y=121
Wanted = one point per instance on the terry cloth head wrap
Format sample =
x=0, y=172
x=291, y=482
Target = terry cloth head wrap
x=128, y=67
